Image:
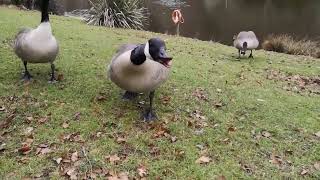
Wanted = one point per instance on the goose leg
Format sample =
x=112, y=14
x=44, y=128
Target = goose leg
x=150, y=115
x=27, y=76
x=239, y=54
x=251, y=56
x=129, y=95
x=53, y=78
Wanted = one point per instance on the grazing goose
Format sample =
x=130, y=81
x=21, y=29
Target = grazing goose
x=140, y=68
x=37, y=45
x=245, y=41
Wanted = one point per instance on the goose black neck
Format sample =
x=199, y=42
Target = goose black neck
x=44, y=11
x=137, y=55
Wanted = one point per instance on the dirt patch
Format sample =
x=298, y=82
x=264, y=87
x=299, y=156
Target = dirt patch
x=295, y=82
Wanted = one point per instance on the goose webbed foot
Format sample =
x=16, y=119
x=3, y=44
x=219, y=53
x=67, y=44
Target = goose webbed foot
x=27, y=76
x=149, y=115
x=129, y=95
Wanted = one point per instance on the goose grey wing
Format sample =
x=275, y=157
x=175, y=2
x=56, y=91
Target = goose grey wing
x=19, y=40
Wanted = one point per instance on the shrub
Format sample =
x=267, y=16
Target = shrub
x=285, y=43
x=116, y=13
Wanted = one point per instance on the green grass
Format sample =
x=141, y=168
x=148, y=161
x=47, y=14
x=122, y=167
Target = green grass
x=251, y=104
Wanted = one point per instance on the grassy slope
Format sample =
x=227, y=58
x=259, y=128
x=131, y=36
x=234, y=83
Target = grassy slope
x=85, y=51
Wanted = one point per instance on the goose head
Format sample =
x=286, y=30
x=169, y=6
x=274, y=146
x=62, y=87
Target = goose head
x=155, y=49
x=244, y=48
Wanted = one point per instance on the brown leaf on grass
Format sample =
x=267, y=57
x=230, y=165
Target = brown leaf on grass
x=142, y=171
x=266, y=134
x=7, y=121
x=60, y=77
x=218, y=104
x=2, y=147
x=232, y=129
x=222, y=177
x=120, y=176
x=43, y=149
x=74, y=156
x=121, y=140
x=72, y=173
x=25, y=149
x=317, y=166
x=276, y=160
x=203, y=160
x=113, y=159
x=200, y=94
x=165, y=100
x=173, y=139
x=58, y=160
x=65, y=125
x=28, y=131
x=317, y=134
x=29, y=119
x=304, y=172
x=43, y=120
x=198, y=114
x=2, y=108
x=77, y=116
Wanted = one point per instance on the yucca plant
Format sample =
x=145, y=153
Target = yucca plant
x=117, y=13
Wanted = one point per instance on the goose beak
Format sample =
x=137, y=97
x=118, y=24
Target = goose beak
x=164, y=59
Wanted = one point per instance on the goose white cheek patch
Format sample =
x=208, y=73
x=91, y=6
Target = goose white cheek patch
x=147, y=52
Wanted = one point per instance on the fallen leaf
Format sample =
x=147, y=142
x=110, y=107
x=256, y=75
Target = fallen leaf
x=121, y=140
x=2, y=147
x=317, y=166
x=74, y=156
x=29, y=119
x=72, y=173
x=232, y=129
x=65, y=125
x=28, y=131
x=43, y=149
x=113, y=158
x=25, y=149
x=142, y=171
x=2, y=108
x=266, y=134
x=317, y=134
x=276, y=160
x=5, y=123
x=43, y=120
x=222, y=177
x=304, y=172
x=60, y=77
x=203, y=160
x=77, y=116
x=165, y=100
x=173, y=139
x=58, y=160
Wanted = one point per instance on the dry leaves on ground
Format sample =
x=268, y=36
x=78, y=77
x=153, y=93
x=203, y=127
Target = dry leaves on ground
x=203, y=160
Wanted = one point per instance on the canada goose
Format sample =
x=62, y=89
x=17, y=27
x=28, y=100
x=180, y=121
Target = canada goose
x=139, y=68
x=245, y=41
x=37, y=45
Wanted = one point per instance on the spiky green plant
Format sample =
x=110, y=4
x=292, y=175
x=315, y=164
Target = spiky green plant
x=117, y=13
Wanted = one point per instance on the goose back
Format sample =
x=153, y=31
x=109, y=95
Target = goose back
x=36, y=45
x=248, y=37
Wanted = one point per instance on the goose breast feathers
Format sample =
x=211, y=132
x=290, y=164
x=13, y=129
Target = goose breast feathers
x=136, y=78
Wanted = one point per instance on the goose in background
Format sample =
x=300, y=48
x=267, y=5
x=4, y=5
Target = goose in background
x=37, y=45
x=141, y=68
x=245, y=41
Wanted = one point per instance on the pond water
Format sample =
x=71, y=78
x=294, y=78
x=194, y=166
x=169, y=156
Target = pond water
x=219, y=20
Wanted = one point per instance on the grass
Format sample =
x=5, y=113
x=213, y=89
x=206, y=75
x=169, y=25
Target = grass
x=250, y=126
x=285, y=43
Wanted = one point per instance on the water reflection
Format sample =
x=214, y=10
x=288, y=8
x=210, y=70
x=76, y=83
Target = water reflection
x=218, y=20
